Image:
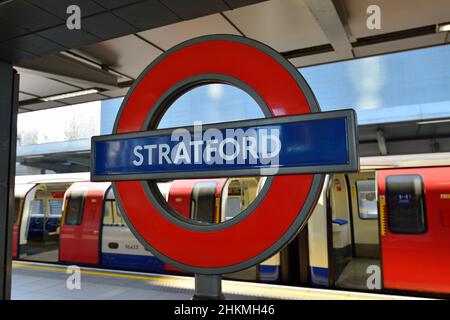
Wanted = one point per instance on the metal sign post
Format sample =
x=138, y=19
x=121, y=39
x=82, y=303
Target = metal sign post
x=208, y=287
x=294, y=146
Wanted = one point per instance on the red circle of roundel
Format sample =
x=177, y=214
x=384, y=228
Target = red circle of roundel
x=277, y=211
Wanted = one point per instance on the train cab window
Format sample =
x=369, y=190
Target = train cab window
x=367, y=202
x=75, y=208
x=406, y=204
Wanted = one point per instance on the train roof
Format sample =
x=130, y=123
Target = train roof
x=53, y=178
x=406, y=161
x=366, y=163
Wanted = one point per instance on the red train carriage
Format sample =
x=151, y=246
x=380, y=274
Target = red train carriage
x=415, y=228
x=93, y=231
x=39, y=201
x=386, y=227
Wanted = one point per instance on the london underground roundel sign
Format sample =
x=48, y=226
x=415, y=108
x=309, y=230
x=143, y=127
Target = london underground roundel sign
x=294, y=145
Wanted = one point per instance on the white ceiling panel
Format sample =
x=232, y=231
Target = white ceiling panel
x=128, y=55
x=282, y=24
x=42, y=105
x=396, y=15
x=41, y=86
x=321, y=58
x=116, y=93
x=24, y=96
x=21, y=110
x=171, y=35
x=405, y=44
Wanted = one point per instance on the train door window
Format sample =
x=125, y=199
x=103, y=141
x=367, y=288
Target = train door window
x=406, y=204
x=367, y=202
x=75, y=208
x=203, y=201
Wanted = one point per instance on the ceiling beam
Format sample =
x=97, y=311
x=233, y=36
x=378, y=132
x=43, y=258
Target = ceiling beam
x=61, y=67
x=58, y=167
x=329, y=19
x=79, y=159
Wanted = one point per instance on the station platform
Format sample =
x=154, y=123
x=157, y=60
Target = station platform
x=37, y=281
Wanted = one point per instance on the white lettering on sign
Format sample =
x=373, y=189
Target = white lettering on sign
x=238, y=146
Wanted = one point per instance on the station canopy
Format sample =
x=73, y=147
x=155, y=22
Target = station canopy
x=397, y=73
x=118, y=38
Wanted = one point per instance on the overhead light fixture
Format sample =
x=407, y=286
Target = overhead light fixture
x=443, y=27
x=69, y=95
x=433, y=121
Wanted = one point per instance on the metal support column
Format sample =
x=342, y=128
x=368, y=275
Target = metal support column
x=9, y=87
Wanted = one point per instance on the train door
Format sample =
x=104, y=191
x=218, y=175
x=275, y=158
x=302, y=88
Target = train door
x=179, y=197
x=318, y=244
x=237, y=195
x=340, y=220
x=80, y=232
x=20, y=193
x=196, y=199
x=119, y=247
x=203, y=202
x=42, y=221
x=355, y=240
x=415, y=228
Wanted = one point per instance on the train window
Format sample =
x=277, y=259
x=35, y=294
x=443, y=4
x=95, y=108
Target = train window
x=406, y=204
x=234, y=200
x=118, y=220
x=111, y=214
x=367, y=202
x=55, y=207
x=75, y=207
x=108, y=214
x=110, y=194
x=37, y=207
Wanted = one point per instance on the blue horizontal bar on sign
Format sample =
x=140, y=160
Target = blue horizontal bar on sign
x=313, y=143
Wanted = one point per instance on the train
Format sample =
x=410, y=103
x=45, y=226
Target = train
x=385, y=228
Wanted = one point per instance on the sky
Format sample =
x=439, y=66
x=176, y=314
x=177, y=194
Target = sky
x=410, y=85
